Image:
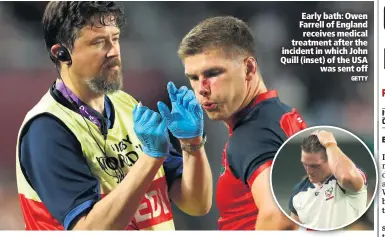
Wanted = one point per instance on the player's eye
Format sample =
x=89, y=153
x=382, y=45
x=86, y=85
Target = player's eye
x=213, y=73
x=193, y=78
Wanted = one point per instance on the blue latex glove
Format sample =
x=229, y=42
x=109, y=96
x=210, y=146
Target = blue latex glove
x=151, y=130
x=186, y=118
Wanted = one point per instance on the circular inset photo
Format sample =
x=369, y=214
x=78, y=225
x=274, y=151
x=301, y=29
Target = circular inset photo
x=324, y=178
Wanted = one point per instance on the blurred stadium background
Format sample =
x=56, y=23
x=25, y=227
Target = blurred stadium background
x=289, y=158
x=149, y=43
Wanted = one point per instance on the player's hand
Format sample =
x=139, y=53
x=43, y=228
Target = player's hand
x=151, y=130
x=325, y=137
x=186, y=117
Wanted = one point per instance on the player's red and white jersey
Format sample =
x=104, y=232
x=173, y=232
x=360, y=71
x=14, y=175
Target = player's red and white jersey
x=256, y=134
x=327, y=206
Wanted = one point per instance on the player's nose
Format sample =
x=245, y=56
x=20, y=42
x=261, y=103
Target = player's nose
x=204, y=87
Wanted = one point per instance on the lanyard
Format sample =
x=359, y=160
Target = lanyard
x=84, y=109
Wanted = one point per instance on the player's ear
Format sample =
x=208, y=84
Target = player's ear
x=250, y=67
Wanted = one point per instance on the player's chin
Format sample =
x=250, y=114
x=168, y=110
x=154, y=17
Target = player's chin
x=313, y=179
x=214, y=115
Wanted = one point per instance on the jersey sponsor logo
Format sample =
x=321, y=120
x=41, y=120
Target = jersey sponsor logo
x=114, y=165
x=329, y=193
x=155, y=206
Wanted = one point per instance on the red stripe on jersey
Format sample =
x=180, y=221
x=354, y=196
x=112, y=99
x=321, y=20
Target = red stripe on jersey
x=37, y=216
x=259, y=170
x=292, y=123
x=259, y=98
x=264, y=96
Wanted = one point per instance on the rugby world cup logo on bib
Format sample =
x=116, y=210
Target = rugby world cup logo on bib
x=329, y=193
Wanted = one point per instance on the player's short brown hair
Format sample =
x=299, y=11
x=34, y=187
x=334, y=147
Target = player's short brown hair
x=224, y=32
x=311, y=144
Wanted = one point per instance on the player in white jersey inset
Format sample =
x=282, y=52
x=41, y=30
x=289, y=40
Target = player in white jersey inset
x=334, y=192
